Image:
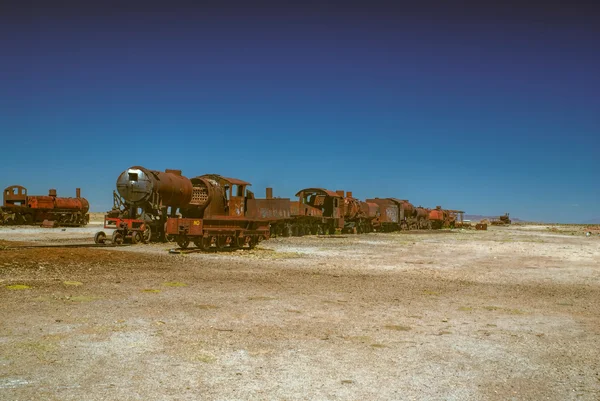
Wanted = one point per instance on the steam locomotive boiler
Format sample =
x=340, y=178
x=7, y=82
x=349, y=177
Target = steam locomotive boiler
x=50, y=211
x=437, y=217
x=145, y=198
x=222, y=214
x=359, y=216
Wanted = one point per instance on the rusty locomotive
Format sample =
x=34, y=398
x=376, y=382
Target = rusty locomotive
x=223, y=213
x=143, y=201
x=49, y=211
x=216, y=212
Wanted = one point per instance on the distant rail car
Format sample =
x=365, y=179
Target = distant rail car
x=19, y=208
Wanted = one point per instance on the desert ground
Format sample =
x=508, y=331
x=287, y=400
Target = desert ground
x=512, y=313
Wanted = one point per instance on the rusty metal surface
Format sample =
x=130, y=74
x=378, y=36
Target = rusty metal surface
x=270, y=209
x=320, y=191
x=481, y=226
x=228, y=180
x=436, y=214
x=370, y=209
x=352, y=209
x=388, y=211
x=302, y=209
x=138, y=185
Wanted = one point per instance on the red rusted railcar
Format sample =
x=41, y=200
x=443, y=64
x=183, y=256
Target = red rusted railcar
x=389, y=216
x=50, y=211
x=223, y=214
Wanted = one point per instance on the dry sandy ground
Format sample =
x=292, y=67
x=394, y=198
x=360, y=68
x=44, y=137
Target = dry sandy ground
x=509, y=313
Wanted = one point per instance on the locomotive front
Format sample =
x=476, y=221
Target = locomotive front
x=140, y=186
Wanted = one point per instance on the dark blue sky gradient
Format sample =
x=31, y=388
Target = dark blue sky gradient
x=483, y=108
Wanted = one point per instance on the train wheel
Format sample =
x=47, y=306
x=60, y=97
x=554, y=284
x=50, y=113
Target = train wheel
x=117, y=238
x=320, y=230
x=100, y=237
x=136, y=237
x=147, y=237
x=243, y=241
x=202, y=243
x=183, y=241
x=165, y=236
x=223, y=241
x=19, y=219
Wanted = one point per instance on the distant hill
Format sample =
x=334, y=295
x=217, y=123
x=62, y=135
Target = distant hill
x=479, y=217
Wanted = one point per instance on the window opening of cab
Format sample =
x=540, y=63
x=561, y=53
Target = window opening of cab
x=133, y=176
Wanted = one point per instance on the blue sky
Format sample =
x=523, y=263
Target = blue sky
x=482, y=109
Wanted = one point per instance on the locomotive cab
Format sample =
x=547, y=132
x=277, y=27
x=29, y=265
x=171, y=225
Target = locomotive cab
x=214, y=195
x=15, y=195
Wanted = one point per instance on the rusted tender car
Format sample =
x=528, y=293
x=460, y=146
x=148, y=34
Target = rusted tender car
x=390, y=217
x=223, y=214
x=49, y=211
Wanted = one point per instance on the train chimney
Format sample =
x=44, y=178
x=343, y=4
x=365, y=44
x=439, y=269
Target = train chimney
x=173, y=171
x=78, y=192
x=269, y=193
x=349, y=194
x=340, y=192
x=52, y=192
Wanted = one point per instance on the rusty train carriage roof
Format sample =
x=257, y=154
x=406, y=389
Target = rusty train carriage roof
x=220, y=178
x=320, y=191
x=398, y=200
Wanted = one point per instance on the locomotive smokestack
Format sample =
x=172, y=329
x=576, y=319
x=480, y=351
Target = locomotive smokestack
x=269, y=193
x=349, y=194
x=78, y=192
x=340, y=192
x=52, y=192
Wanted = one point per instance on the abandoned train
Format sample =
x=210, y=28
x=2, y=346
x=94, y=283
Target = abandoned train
x=216, y=212
x=50, y=211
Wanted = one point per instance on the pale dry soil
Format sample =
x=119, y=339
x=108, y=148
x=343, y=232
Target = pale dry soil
x=504, y=314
